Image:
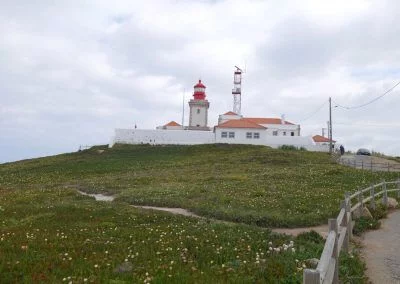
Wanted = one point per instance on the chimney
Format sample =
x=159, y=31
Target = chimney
x=282, y=119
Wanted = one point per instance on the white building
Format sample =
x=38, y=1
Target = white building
x=323, y=142
x=172, y=125
x=232, y=128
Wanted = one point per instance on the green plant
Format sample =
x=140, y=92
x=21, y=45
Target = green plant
x=241, y=183
x=51, y=234
x=380, y=211
x=352, y=268
x=364, y=224
x=288, y=147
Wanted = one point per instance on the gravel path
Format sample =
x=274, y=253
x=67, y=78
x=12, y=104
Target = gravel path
x=370, y=163
x=382, y=251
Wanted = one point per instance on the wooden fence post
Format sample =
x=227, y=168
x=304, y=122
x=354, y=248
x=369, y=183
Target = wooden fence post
x=384, y=197
x=398, y=188
x=348, y=210
x=311, y=276
x=333, y=226
x=345, y=246
x=372, y=192
x=362, y=164
x=371, y=165
x=361, y=201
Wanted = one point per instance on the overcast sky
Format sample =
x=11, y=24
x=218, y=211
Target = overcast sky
x=73, y=71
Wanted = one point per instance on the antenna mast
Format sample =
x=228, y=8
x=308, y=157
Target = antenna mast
x=237, y=90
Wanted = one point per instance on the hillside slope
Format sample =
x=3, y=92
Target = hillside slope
x=249, y=184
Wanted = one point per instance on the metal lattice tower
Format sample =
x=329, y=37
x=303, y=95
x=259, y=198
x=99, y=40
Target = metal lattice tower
x=237, y=90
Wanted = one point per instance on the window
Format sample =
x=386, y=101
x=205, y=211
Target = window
x=249, y=135
x=224, y=134
x=198, y=110
x=292, y=133
x=231, y=134
x=284, y=133
x=275, y=133
x=256, y=135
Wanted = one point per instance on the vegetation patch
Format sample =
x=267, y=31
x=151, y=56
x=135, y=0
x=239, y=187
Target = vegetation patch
x=250, y=184
x=51, y=236
x=352, y=268
x=364, y=224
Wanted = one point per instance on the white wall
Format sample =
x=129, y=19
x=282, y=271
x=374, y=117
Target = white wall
x=155, y=137
x=265, y=139
x=281, y=128
x=198, y=119
x=194, y=137
x=240, y=136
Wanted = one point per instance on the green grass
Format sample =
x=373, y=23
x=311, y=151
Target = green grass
x=60, y=236
x=249, y=184
x=49, y=233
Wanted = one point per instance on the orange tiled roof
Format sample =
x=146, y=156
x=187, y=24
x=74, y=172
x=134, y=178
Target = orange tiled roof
x=319, y=138
x=230, y=113
x=172, y=123
x=264, y=120
x=240, y=123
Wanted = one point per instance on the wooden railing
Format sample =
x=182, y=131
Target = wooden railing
x=340, y=232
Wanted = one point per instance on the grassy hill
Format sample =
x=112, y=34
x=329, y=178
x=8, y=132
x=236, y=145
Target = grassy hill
x=50, y=233
x=248, y=184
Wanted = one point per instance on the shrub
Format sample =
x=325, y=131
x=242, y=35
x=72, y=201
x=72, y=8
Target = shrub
x=379, y=212
x=364, y=224
x=288, y=147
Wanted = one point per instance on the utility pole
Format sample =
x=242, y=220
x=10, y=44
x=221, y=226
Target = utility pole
x=183, y=109
x=330, y=126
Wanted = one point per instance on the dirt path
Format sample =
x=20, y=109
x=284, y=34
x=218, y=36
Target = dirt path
x=382, y=251
x=322, y=230
x=178, y=211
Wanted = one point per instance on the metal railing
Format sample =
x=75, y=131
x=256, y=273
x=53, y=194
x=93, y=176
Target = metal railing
x=370, y=165
x=340, y=232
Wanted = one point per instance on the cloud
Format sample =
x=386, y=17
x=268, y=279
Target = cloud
x=71, y=72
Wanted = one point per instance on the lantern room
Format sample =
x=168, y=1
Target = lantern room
x=199, y=91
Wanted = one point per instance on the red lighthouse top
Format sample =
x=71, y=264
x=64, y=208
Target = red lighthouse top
x=199, y=91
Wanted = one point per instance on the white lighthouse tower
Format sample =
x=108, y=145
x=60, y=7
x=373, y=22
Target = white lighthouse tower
x=199, y=108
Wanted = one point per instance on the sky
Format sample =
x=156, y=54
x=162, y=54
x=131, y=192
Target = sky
x=73, y=71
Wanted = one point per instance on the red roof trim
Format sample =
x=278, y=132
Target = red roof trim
x=172, y=123
x=240, y=123
x=230, y=113
x=266, y=120
x=319, y=138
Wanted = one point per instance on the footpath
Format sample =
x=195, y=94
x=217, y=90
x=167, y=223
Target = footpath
x=382, y=251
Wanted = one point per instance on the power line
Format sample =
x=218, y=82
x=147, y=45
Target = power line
x=370, y=102
x=314, y=112
x=369, y=124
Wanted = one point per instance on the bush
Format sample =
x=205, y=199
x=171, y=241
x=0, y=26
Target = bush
x=380, y=212
x=288, y=147
x=364, y=224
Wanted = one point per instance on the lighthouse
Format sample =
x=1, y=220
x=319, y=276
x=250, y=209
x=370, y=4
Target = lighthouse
x=199, y=108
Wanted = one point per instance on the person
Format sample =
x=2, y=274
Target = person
x=341, y=150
